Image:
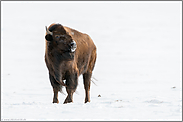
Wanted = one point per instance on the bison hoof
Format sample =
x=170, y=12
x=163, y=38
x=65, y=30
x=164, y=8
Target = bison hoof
x=67, y=100
x=86, y=100
x=55, y=101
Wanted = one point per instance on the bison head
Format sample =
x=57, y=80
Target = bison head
x=60, y=39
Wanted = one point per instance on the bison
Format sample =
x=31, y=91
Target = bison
x=69, y=54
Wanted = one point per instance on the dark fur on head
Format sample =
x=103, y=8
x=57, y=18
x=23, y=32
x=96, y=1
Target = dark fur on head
x=49, y=37
x=62, y=30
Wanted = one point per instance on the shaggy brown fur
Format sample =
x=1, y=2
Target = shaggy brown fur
x=64, y=64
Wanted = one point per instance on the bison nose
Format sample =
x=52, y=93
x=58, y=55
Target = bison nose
x=73, y=46
x=72, y=43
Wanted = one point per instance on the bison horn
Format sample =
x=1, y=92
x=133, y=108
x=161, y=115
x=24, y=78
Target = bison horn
x=48, y=32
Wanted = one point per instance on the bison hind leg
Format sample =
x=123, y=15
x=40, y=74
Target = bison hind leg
x=88, y=74
x=87, y=79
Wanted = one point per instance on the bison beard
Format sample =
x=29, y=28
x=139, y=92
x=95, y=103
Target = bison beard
x=68, y=56
x=65, y=56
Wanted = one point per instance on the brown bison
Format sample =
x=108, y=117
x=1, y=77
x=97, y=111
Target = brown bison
x=69, y=53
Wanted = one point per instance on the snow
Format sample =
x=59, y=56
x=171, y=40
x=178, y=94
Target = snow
x=138, y=67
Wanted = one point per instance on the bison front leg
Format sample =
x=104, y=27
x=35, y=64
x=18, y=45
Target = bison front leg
x=87, y=78
x=71, y=85
x=69, y=97
x=55, y=97
x=56, y=87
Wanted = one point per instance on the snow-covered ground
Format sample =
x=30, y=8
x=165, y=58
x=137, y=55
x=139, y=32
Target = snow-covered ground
x=138, y=68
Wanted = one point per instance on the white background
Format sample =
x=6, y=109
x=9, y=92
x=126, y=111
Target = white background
x=138, y=67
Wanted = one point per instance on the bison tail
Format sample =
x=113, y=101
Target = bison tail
x=93, y=79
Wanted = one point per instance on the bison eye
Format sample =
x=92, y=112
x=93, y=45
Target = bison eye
x=57, y=36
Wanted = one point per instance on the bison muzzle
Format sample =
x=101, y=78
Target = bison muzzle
x=69, y=54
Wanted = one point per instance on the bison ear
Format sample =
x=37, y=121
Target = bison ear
x=49, y=37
